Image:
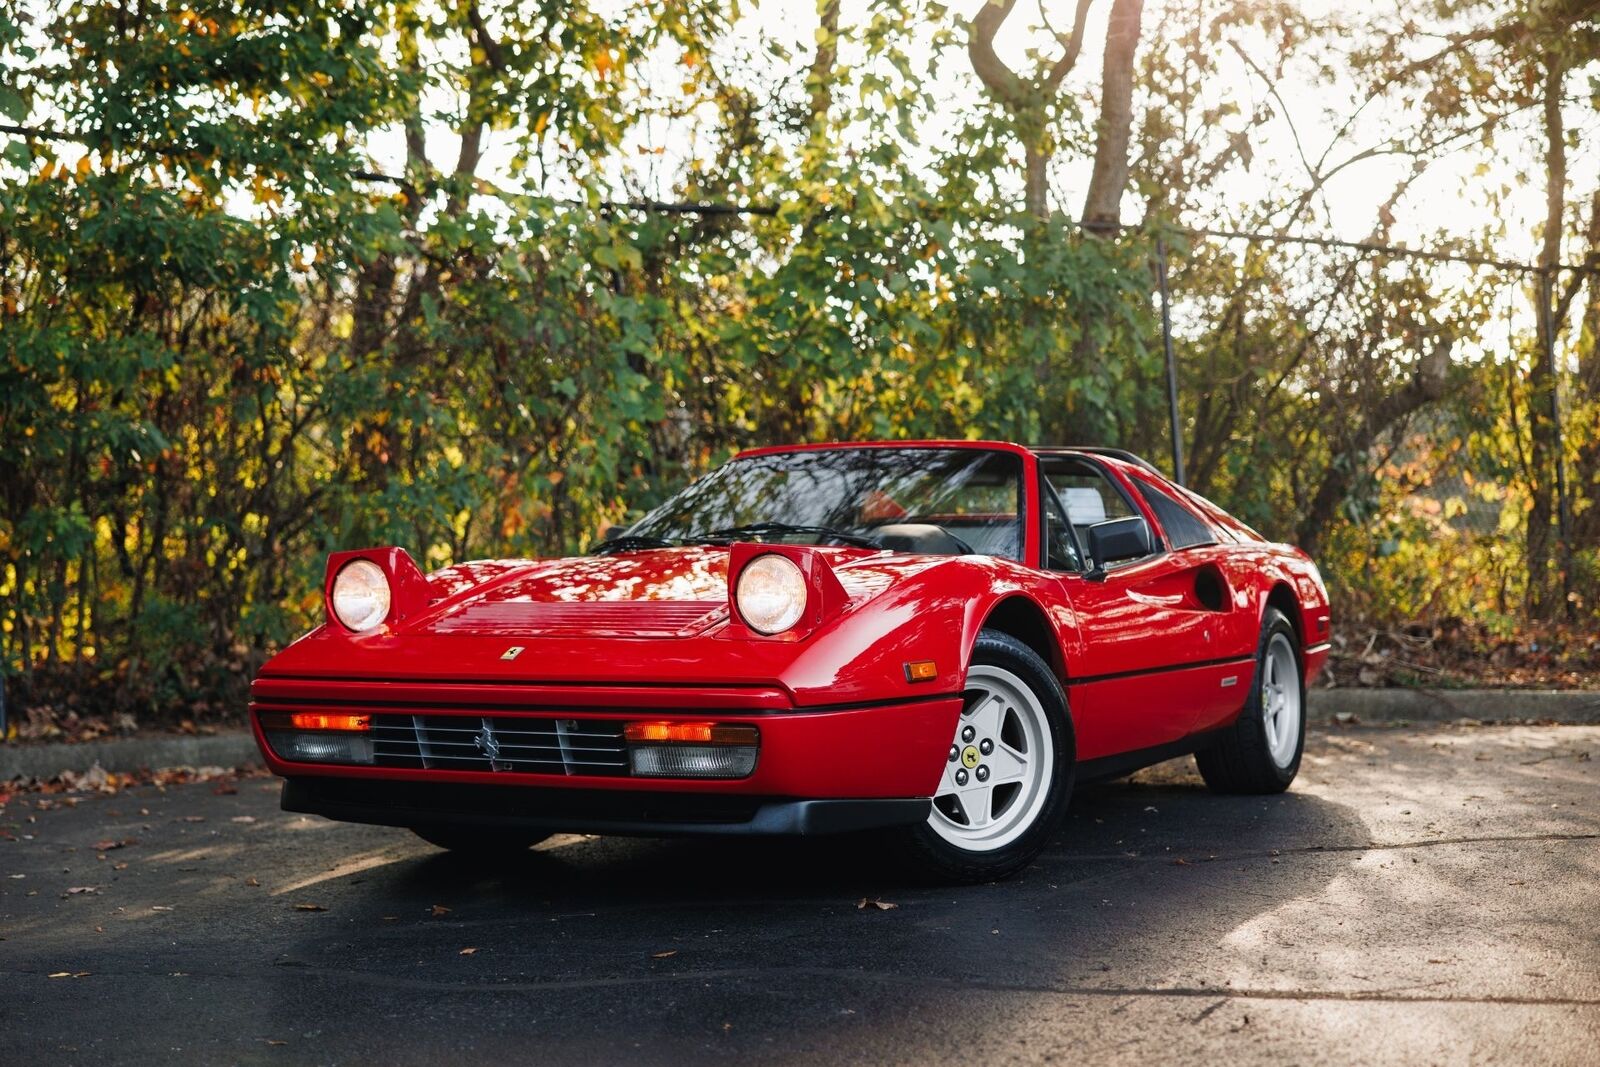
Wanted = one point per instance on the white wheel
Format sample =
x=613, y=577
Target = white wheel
x=1280, y=700
x=998, y=775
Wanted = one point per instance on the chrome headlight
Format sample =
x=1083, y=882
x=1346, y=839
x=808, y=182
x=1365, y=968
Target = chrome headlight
x=771, y=594
x=361, y=595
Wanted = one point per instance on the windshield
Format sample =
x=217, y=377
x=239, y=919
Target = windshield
x=935, y=500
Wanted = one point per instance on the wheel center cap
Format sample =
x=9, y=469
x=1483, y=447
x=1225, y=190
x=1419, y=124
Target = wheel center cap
x=969, y=756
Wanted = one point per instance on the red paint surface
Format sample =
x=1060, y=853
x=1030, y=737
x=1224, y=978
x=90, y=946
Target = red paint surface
x=651, y=633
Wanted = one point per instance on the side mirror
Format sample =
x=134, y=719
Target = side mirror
x=1118, y=539
x=614, y=531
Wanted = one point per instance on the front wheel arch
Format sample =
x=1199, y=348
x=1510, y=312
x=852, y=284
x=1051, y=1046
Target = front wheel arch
x=1022, y=618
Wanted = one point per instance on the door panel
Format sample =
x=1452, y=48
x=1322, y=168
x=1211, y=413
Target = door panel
x=1153, y=635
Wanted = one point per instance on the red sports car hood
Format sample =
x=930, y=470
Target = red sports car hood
x=676, y=592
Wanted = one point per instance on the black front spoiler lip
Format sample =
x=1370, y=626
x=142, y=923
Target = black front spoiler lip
x=629, y=813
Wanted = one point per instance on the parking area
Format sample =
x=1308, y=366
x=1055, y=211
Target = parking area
x=1423, y=895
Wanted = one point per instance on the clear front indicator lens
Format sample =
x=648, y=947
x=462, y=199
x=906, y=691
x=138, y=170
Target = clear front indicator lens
x=692, y=749
x=320, y=747
x=692, y=761
x=771, y=594
x=361, y=595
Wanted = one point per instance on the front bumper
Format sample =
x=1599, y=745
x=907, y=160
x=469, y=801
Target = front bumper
x=890, y=751
x=646, y=813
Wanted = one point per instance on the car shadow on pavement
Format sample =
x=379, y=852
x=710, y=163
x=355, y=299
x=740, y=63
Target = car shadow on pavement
x=1144, y=878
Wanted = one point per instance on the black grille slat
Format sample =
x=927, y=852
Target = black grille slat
x=530, y=744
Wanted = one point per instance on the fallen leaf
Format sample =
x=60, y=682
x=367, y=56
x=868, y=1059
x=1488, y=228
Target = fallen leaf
x=466, y=952
x=1180, y=862
x=193, y=818
x=107, y=846
x=159, y=907
x=243, y=818
x=440, y=909
x=272, y=1041
x=881, y=905
x=119, y=866
x=75, y=890
x=663, y=955
x=226, y=789
x=252, y=881
x=309, y=907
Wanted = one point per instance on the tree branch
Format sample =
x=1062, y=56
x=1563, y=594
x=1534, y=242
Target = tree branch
x=1000, y=79
x=1073, y=44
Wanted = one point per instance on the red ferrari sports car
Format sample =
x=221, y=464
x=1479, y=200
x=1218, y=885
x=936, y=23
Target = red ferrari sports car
x=933, y=640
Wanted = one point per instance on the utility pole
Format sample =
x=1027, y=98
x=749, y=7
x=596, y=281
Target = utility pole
x=1172, y=368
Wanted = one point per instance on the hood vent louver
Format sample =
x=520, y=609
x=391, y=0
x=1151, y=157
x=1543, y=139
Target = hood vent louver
x=572, y=618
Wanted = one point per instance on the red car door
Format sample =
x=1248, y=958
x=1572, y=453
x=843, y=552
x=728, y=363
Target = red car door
x=1159, y=641
x=1150, y=653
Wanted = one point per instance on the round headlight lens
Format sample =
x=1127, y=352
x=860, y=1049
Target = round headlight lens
x=361, y=595
x=771, y=594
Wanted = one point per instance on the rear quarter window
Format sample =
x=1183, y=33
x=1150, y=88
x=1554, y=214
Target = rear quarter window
x=1184, y=529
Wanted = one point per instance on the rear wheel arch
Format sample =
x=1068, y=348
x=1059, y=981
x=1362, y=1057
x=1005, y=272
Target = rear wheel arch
x=1282, y=597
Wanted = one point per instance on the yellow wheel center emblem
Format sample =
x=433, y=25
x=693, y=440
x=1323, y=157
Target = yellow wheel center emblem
x=969, y=756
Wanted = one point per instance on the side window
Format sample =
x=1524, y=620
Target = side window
x=1085, y=493
x=1184, y=529
x=1060, y=543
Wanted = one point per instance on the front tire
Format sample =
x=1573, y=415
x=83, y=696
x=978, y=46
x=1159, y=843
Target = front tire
x=1260, y=753
x=479, y=844
x=1006, y=785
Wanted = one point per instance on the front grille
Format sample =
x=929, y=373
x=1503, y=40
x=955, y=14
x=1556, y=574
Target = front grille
x=527, y=744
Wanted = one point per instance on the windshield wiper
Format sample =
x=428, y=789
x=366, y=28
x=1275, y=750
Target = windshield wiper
x=631, y=542
x=756, y=529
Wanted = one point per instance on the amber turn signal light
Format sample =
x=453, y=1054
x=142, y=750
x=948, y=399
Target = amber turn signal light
x=315, y=720
x=922, y=670
x=702, y=733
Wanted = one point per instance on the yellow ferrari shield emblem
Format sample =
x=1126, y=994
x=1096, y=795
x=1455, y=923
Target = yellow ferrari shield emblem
x=969, y=756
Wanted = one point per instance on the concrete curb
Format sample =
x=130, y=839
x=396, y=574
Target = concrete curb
x=1367, y=705
x=1447, y=705
x=228, y=749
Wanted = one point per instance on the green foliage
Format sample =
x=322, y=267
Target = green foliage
x=227, y=348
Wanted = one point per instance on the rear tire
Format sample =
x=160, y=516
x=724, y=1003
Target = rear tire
x=1260, y=753
x=479, y=844
x=1006, y=787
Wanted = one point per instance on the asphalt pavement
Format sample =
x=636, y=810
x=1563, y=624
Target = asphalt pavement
x=1422, y=895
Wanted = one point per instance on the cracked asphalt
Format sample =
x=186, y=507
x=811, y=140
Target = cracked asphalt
x=1422, y=895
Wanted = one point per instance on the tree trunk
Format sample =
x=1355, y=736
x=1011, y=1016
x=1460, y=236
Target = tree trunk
x=1036, y=196
x=1102, y=206
x=1543, y=442
x=1425, y=386
x=820, y=77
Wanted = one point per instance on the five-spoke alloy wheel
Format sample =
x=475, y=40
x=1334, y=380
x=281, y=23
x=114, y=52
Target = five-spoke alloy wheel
x=1008, y=775
x=997, y=778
